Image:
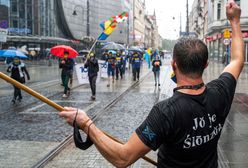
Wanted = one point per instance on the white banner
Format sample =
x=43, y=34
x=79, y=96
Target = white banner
x=82, y=74
x=103, y=69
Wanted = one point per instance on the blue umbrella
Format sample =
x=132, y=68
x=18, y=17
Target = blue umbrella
x=12, y=54
x=112, y=51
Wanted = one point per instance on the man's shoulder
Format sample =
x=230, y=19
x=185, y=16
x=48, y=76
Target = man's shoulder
x=223, y=80
x=167, y=104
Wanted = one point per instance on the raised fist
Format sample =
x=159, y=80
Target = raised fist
x=233, y=12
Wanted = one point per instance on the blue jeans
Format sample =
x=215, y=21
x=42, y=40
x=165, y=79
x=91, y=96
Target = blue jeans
x=157, y=76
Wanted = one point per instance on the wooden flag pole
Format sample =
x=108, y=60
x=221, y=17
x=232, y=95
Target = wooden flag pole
x=54, y=105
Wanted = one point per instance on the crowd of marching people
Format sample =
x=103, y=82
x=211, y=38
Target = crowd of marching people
x=116, y=61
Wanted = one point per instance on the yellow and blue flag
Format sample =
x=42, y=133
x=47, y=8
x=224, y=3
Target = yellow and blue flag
x=110, y=25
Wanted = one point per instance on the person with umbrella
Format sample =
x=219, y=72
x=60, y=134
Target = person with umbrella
x=111, y=60
x=18, y=71
x=93, y=68
x=66, y=64
x=136, y=63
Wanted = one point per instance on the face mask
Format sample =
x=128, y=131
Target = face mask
x=173, y=77
x=16, y=61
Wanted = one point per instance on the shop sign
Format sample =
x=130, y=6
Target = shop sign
x=226, y=41
x=17, y=30
x=245, y=34
x=209, y=38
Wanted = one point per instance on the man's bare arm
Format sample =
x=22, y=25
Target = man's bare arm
x=235, y=67
x=117, y=154
x=120, y=155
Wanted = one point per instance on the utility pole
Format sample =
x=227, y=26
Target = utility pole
x=187, y=15
x=128, y=31
x=133, y=22
x=88, y=18
x=180, y=29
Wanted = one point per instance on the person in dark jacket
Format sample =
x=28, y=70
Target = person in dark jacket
x=66, y=64
x=93, y=68
x=156, y=63
x=119, y=65
x=111, y=60
x=18, y=71
x=136, y=63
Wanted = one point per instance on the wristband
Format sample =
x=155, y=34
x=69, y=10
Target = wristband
x=89, y=128
x=84, y=124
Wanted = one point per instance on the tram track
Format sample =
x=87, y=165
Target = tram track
x=69, y=139
x=29, y=105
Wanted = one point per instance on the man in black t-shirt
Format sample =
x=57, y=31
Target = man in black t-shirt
x=186, y=127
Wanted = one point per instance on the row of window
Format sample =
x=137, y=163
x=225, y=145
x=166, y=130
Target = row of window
x=219, y=9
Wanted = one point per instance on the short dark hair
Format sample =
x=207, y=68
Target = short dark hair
x=191, y=56
x=66, y=52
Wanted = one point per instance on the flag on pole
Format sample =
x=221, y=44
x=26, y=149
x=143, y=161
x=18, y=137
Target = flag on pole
x=110, y=25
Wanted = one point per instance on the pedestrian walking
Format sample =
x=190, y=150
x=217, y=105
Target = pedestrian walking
x=66, y=64
x=93, y=68
x=136, y=63
x=119, y=65
x=18, y=72
x=187, y=126
x=156, y=69
x=111, y=60
x=148, y=57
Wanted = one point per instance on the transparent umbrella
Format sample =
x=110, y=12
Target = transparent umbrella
x=113, y=46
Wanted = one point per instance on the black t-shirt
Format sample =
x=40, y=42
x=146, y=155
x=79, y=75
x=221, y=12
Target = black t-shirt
x=186, y=128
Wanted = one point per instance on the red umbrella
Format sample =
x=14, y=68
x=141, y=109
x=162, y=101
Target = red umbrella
x=60, y=49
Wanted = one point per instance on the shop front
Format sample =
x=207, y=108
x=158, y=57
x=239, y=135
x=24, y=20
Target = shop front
x=219, y=51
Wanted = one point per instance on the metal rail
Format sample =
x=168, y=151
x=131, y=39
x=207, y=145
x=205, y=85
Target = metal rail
x=42, y=162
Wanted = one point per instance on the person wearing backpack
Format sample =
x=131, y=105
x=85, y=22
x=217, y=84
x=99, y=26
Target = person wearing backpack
x=18, y=72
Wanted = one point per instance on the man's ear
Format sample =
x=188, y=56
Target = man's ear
x=174, y=65
x=206, y=64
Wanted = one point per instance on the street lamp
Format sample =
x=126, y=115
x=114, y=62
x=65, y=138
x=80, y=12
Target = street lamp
x=88, y=15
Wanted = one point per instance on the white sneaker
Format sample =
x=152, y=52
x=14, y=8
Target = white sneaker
x=64, y=96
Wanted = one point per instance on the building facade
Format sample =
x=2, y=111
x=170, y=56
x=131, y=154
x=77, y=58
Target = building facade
x=138, y=22
x=208, y=21
x=217, y=23
x=197, y=19
x=148, y=32
x=41, y=24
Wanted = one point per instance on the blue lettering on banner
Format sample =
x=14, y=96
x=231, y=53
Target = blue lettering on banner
x=148, y=133
x=84, y=70
x=104, y=65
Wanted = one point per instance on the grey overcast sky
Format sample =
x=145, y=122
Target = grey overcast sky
x=165, y=11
